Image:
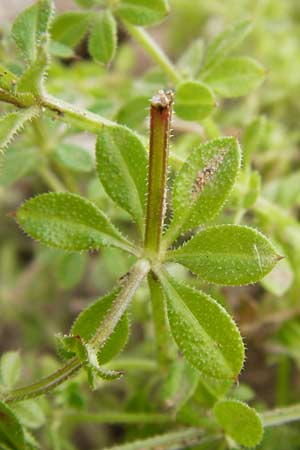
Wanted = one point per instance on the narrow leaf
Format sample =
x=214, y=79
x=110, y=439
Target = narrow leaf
x=74, y=158
x=10, y=367
x=69, y=28
x=224, y=43
x=11, y=431
x=30, y=25
x=17, y=163
x=103, y=37
x=122, y=169
x=143, y=12
x=228, y=255
x=204, y=183
x=240, y=422
x=69, y=222
x=194, y=100
x=90, y=320
x=12, y=123
x=236, y=77
x=203, y=331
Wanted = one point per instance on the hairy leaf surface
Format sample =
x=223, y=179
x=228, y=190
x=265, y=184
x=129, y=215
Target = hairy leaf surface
x=194, y=100
x=12, y=123
x=103, y=37
x=69, y=28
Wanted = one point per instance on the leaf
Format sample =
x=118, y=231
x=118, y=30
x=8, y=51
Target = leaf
x=240, y=422
x=143, y=12
x=224, y=43
x=85, y=3
x=30, y=25
x=30, y=413
x=134, y=112
x=122, y=169
x=16, y=164
x=12, y=123
x=60, y=50
x=279, y=281
x=103, y=37
x=228, y=255
x=74, y=158
x=236, y=77
x=32, y=80
x=190, y=61
x=70, y=269
x=252, y=138
x=68, y=221
x=10, y=366
x=7, y=79
x=194, y=100
x=204, y=183
x=69, y=28
x=11, y=432
x=203, y=331
x=90, y=320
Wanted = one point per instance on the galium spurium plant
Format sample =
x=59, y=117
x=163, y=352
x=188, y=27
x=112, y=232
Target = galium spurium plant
x=137, y=181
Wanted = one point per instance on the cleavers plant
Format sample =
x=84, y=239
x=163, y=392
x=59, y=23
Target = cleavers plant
x=174, y=220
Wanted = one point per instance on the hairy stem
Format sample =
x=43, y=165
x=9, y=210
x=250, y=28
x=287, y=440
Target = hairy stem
x=280, y=416
x=153, y=50
x=160, y=119
x=109, y=417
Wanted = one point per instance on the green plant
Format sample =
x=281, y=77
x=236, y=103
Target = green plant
x=169, y=223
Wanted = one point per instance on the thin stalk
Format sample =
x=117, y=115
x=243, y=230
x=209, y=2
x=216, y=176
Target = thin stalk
x=153, y=50
x=126, y=363
x=160, y=119
x=280, y=416
x=159, y=315
x=135, y=277
x=109, y=417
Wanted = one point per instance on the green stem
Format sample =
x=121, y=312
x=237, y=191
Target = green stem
x=114, y=418
x=159, y=315
x=160, y=118
x=146, y=365
x=51, y=179
x=156, y=53
x=280, y=416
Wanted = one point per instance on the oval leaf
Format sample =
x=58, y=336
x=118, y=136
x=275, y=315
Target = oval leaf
x=90, y=320
x=12, y=123
x=143, y=12
x=203, y=331
x=194, y=100
x=69, y=28
x=240, y=422
x=204, y=183
x=10, y=367
x=122, y=169
x=236, y=77
x=103, y=37
x=74, y=158
x=228, y=254
x=17, y=163
x=11, y=431
x=69, y=222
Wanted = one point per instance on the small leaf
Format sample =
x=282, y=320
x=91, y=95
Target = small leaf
x=204, y=183
x=240, y=422
x=203, y=331
x=228, y=255
x=90, y=320
x=236, y=77
x=10, y=366
x=224, y=43
x=60, y=50
x=12, y=123
x=190, y=61
x=134, y=112
x=69, y=222
x=252, y=138
x=30, y=25
x=194, y=100
x=103, y=37
x=32, y=80
x=70, y=28
x=122, y=169
x=11, y=432
x=30, y=413
x=70, y=269
x=74, y=158
x=143, y=12
x=7, y=79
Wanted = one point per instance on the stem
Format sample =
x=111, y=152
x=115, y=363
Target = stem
x=280, y=416
x=146, y=365
x=122, y=418
x=160, y=118
x=135, y=277
x=156, y=53
x=160, y=319
x=51, y=179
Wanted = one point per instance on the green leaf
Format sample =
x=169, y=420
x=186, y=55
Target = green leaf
x=225, y=43
x=143, y=12
x=103, y=37
x=74, y=158
x=240, y=422
x=190, y=61
x=228, y=255
x=134, y=112
x=16, y=164
x=30, y=25
x=122, y=169
x=68, y=221
x=90, y=320
x=203, y=331
x=252, y=138
x=7, y=79
x=11, y=432
x=204, y=183
x=30, y=413
x=70, y=28
x=10, y=367
x=194, y=100
x=60, y=50
x=12, y=123
x=236, y=77
x=70, y=269
x=85, y=3
x=32, y=80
